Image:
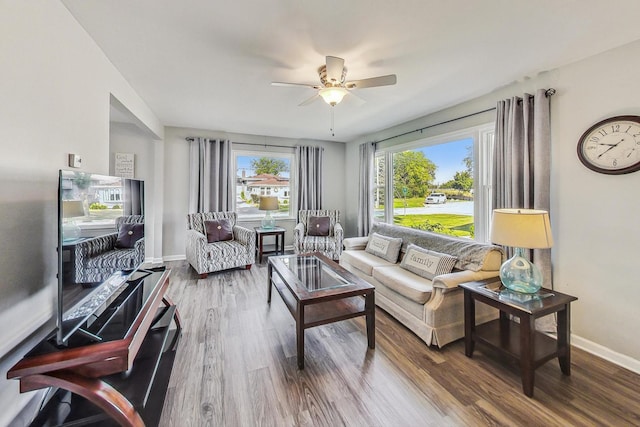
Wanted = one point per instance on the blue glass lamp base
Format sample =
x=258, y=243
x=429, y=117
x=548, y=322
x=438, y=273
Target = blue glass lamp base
x=268, y=221
x=520, y=275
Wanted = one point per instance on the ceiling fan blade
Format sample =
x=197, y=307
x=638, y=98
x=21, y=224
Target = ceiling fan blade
x=283, y=84
x=355, y=99
x=335, y=66
x=309, y=101
x=391, y=79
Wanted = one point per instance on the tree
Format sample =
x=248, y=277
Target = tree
x=413, y=171
x=468, y=159
x=269, y=165
x=463, y=181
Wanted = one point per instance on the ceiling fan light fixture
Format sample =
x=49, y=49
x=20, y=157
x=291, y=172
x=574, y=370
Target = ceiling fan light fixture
x=332, y=95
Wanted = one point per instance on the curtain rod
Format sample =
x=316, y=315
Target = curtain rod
x=191, y=138
x=549, y=92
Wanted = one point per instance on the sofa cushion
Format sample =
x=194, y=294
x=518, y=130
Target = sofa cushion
x=404, y=282
x=426, y=263
x=318, y=226
x=363, y=261
x=385, y=247
x=471, y=255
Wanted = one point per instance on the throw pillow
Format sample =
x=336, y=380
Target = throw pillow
x=318, y=226
x=218, y=230
x=384, y=247
x=426, y=263
x=128, y=235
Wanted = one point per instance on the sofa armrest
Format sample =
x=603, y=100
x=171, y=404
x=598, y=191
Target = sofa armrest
x=356, y=243
x=96, y=246
x=452, y=280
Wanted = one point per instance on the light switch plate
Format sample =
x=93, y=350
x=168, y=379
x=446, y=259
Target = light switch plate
x=75, y=161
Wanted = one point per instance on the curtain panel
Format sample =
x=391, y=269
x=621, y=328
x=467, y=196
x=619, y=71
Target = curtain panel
x=365, y=194
x=309, y=162
x=210, y=176
x=521, y=173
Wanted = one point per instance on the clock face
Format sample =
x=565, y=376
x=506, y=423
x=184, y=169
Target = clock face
x=612, y=146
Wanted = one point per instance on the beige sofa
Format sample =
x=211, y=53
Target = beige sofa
x=432, y=309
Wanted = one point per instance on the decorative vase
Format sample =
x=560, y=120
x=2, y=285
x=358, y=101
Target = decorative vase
x=520, y=275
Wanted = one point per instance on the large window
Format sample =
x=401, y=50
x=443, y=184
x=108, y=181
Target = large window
x=263, y=174
x=441, y=184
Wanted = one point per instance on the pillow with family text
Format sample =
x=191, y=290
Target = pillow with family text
x=384, y=247
x=426, y=263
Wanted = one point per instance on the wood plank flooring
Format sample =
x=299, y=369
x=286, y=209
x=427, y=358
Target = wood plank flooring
x=236, y=366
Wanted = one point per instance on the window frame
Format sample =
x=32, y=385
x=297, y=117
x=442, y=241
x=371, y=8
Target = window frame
x=239, y=152
x=483, y=137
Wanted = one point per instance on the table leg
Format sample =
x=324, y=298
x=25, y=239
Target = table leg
x=527, y=352
x=300, y=335
x=260, y=237
x=370, y=313
x=564, y=344
x=469, y=323
x=269, y=283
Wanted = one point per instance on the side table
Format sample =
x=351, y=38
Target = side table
x=277, y=232
x=519, y=341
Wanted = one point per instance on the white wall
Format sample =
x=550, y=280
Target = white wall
x=594, y=216
x=177, y=180
x=55, y=87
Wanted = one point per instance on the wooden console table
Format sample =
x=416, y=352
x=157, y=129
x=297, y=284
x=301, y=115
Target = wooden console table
x=277, y=233
x=520, y=341
x=118, y=373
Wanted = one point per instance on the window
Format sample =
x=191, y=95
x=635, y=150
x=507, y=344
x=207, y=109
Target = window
x=441, y=184
x=262, y=174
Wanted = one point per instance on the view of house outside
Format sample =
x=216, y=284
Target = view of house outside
x=432, y=188
x=262, y=175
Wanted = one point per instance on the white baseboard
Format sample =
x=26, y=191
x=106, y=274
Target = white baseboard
x=174, y=258
x=606, y=353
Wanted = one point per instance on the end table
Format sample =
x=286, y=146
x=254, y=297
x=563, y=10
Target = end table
x=277, y=232
x=520, y=341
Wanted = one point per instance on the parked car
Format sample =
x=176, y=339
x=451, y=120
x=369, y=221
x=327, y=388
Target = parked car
x=435, y=198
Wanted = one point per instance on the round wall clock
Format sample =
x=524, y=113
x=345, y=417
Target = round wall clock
x=612, y=146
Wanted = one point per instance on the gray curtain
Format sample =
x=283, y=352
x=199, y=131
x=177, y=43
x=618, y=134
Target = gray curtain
x=309, y=162
x=365, y=193
x=521, y=173
x=210, y=176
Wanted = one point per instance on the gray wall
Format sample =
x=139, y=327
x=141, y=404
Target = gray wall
x=594, y=216
x=176, y=195
x=56, y=87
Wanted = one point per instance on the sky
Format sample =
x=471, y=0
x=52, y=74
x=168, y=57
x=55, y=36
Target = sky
x=448, y=157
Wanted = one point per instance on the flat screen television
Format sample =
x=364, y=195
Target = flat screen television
x=100, y=245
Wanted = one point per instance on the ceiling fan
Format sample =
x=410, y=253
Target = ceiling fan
x=333, y=87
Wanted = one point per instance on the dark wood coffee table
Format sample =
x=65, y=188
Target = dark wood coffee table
x=520, y=341
x=317, y=291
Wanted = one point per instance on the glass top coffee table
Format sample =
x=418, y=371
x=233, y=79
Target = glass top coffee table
x=317, y=291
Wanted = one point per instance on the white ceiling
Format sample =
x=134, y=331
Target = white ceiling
x=208, y=64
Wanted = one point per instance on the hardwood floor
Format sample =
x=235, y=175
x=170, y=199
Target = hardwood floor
x=236, y=366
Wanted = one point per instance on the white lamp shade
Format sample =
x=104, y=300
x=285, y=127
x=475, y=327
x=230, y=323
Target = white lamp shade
x=521, y=228
x=268, y=203
x=332, y=95
x=72, y=208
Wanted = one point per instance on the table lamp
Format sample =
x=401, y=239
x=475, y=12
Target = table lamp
x=268, y=203
x=71, y=209
x=521, y=229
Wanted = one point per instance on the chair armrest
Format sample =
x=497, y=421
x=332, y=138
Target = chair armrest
x=95, y=246
x=298, y=230
x=338, y=232
x=356, y=243
x=452, y=280
x=195, y=239
x=244, y=235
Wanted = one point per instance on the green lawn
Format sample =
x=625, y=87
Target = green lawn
x=454, y=225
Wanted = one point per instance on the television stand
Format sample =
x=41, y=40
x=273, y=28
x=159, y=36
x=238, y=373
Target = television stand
x=124, y=377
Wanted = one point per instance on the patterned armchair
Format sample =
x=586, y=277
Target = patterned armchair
x=330, y=246
x=97, y=258
x=207, y=257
